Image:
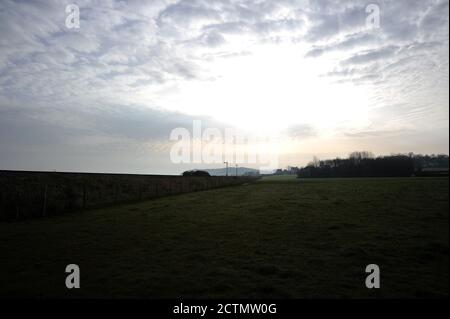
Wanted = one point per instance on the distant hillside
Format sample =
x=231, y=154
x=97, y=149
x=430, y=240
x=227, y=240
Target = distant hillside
x=231, y=171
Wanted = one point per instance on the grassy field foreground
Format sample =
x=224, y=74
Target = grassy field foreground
x=279, y=237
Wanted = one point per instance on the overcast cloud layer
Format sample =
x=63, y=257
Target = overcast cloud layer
x=105, y=97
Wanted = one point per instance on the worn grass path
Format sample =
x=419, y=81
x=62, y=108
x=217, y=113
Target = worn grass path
x=279, y=237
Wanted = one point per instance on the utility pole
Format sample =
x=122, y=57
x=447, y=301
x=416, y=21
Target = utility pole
x=236, y=169
x=227, y=168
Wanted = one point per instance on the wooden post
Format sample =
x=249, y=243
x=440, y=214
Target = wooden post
x=116, y=193
x=84, y=195
x=44, y=206
x=18, y=202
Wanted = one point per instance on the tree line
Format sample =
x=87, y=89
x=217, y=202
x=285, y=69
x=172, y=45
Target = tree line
x=365, y=164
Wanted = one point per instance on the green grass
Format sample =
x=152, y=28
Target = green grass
x=277, y=238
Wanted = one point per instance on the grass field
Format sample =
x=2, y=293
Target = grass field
x=279, y=237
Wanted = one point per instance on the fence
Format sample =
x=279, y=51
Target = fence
x=35, y=194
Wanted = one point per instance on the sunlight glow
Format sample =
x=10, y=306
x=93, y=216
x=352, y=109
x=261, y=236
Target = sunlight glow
x=272, y=89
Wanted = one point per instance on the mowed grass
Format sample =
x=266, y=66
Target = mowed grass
x=276, y=238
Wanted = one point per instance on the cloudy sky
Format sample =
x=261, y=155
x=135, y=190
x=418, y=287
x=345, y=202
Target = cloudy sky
x=313, y=75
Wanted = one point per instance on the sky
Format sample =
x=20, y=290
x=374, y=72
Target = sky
x=314, y=78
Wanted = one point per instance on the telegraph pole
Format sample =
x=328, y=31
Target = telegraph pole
x=236, y=169
x=227, y=167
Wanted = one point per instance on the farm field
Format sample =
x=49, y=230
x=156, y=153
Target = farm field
x=280, y=237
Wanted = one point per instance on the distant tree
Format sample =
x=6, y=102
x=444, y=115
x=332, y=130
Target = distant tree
x=196, y=173
x=279, y=171
x=359, y=156
x=362, y=164
x=315, y=162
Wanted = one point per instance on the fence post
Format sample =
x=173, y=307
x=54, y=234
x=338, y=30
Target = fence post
x=44, y=206
x=116, y=193
x=18, y=202
x=84, y=195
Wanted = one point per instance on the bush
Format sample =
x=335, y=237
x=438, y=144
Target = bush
x=196, y=173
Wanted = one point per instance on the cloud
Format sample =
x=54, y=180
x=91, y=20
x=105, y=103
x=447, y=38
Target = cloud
x=371, y=55
x=64, y=137
x=349, y=42
x=374, y=133
x=105, y=83
x=301, y=131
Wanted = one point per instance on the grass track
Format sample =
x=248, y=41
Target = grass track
x=277, y=238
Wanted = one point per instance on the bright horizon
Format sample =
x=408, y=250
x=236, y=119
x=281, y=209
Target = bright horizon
x=315, y=76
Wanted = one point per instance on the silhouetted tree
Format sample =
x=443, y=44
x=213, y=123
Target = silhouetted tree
x=196, y=173
x=365, y=164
